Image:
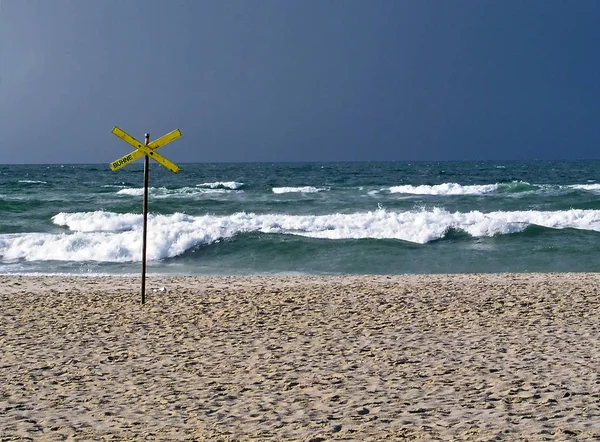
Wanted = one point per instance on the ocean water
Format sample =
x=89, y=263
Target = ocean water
x=303, y=218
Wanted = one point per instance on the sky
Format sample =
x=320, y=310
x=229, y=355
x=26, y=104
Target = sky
x=300, y=80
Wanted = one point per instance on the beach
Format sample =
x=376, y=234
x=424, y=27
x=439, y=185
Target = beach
x=307, y=358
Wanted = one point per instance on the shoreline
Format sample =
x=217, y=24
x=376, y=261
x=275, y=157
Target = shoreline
x=292, y=276
x=462, y=356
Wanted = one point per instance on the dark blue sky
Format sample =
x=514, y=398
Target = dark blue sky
x=302, y=80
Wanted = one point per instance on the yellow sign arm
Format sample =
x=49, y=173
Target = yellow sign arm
x=165, y=139
x=124, y=161
x=126, y=137
x=159, y=158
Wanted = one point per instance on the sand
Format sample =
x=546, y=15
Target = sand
x=436, y=357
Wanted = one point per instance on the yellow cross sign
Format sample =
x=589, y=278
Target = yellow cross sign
x=142, y=149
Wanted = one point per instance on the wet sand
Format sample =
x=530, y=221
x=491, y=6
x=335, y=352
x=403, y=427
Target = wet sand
x=430, y=357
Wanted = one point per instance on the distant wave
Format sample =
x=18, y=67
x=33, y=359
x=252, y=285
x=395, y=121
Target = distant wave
x=182, y=192
x=114, y=237
x=32, y=182
x=133, y=192
x=589, y=187
x=451, y=189
x=233, y=185
x=445, y=189
x=303, y=189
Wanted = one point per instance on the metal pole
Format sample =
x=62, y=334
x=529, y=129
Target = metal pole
x=146, y=172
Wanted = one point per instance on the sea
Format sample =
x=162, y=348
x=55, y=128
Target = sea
x=302, y=218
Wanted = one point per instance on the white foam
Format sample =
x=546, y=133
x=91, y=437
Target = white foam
x=445, y=189
x=112, y=237
x=233, y=185
x=303, y=189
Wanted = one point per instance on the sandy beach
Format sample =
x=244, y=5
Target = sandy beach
x=430, y=357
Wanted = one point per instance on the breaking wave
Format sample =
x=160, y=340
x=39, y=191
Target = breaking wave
x=113, y=237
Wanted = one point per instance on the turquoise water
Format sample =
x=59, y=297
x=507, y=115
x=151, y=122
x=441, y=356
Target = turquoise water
x=311, y=218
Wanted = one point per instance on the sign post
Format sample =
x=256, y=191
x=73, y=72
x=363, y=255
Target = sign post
x=146, y=150
x=145, y=210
